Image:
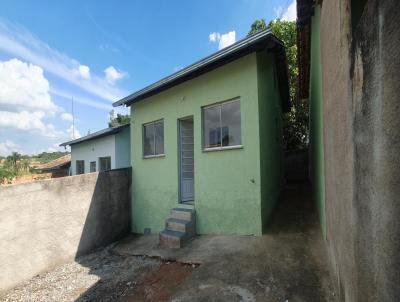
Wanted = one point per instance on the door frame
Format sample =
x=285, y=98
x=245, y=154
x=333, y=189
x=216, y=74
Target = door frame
x=188, y=117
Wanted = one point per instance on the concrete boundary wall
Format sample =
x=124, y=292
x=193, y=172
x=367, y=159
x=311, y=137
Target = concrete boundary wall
x=360, y=72
x=46, y=223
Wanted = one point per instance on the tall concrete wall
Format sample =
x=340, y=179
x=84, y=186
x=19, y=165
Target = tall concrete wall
x=360, y=75
x=46, y=223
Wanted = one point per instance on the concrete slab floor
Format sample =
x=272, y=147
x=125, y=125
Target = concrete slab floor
x=288, y=263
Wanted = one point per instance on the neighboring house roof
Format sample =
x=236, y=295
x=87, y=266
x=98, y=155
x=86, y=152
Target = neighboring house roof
x=98, y=134
x=56, y=163
x=259, y=41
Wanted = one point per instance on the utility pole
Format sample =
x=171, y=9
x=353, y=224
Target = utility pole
x=73, y=118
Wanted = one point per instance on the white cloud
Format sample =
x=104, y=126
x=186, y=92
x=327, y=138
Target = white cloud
x=19, y=42
x=214, y=37
x=107, y=47
x=73, y=133
x=112, y=75
x=25, y=99
x=84, y=72
x=278, y=12
x=79, y=99
x=7, y=147
x=28, y=121
x=224, y=40
x=66, y=117
x=24, y=87
x=291, y=13
x=51, y=149
x=227, y=39
x=288, y=14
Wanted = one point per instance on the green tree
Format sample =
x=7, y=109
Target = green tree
x=295, y=122
x=119, y=120
x=12, y=161
x=6, y=175
x=257, y=26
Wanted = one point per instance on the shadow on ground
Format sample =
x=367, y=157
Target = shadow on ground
x=288, y=263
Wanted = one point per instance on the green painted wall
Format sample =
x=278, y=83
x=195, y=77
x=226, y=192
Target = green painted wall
x=227, y=183
x=316, y=119
x=271, y=147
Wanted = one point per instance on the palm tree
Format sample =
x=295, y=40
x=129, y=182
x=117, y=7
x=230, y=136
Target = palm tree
x=13, y=160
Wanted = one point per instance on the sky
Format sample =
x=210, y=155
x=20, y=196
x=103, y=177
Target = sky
x=85, y=55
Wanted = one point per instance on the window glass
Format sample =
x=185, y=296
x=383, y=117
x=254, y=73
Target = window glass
x=221, y=125
x=159, y=137
x=105, y=163
x=211, y=123
x=148, y=141
x=230, y=124
x=92, y=166
x=153, y=138
x=80, y=166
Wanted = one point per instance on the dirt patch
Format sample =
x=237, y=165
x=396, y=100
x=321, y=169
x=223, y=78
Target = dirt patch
x=159, y=285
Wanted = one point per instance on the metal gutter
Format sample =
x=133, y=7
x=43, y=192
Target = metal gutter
x=206, y=64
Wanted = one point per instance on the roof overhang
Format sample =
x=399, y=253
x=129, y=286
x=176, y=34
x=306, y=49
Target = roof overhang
x=96, y=135
x=262, y=40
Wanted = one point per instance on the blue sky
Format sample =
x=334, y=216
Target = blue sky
x=99, y=51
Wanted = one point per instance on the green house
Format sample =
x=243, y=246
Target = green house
x=209, y=138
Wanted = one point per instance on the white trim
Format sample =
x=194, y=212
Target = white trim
x=223, y=148
x=153, y=156
x=236, y=98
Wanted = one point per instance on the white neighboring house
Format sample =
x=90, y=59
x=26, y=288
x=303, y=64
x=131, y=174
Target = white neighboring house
x=101, y=151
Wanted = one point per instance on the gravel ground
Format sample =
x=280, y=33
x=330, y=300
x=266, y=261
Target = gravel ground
x=80, y=280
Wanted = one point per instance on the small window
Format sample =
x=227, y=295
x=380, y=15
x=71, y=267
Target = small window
x=92, y=166
x=153, y=139
x=105, y=163
x=221, y=126
x=80, y=166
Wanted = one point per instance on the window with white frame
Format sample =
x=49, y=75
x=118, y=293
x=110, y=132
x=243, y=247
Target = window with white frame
x=153, y=139
x=222, y=126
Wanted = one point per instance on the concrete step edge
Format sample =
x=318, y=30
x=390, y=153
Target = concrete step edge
x=175, y=234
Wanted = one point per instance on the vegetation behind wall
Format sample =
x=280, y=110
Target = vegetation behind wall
x=295, y=122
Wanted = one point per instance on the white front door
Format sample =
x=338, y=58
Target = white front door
x=186, y=159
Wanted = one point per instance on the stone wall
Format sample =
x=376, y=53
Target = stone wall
x=46, y=223
x=360, y=63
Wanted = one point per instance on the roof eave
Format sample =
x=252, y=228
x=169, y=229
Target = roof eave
x=213, y=61
x=94, y=136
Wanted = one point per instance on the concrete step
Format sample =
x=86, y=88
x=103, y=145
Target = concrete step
x=183, y=214
x=172, y=239
x=180, y=225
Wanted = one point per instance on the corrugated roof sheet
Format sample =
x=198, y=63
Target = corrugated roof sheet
x=61, y=161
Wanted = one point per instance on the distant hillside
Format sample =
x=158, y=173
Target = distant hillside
x=45, y=157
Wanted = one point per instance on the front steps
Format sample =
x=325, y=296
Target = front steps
x=179, y=228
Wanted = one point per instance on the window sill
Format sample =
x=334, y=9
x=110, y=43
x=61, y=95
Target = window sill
x=223, y=148
x=153, y=156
